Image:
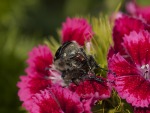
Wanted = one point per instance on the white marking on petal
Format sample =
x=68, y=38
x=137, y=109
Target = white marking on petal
x=145, y=71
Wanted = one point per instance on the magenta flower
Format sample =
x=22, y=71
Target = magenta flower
x=39, y=61
x=38, y=74
x=31, y=85
x=132, y=79
x=141, y=12
x=76, y=29
x=56, y=100
x=92, y=88
x=123, y=26
x=90, y=91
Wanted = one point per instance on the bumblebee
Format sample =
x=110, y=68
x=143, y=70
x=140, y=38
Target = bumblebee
x=75, y=65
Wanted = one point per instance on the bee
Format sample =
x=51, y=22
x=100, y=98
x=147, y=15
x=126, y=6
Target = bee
x=75, y=65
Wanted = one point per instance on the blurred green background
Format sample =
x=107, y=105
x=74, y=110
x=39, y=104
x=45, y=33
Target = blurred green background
x=25, y=24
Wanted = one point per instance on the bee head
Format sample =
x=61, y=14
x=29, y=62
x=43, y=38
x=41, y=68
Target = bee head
x=60, y=50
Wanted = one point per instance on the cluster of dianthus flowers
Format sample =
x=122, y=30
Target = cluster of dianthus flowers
x=42, y=88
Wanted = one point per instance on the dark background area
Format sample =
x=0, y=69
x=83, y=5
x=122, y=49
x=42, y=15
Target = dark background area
x=25, y=24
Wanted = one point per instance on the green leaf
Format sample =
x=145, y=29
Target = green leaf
x=102, y=38
x=53, y=44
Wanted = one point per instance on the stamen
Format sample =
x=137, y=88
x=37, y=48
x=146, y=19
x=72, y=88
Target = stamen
x=145, y=70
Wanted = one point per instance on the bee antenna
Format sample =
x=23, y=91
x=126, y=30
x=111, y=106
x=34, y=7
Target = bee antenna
x=97, y=79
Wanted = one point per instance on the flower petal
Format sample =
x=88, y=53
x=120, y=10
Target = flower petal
x=124, y=25
x=76, y=29
x=121, y=67
x=24, y=92
x=111, y=52
x=91, y=88
x=141, y=12
x=138, y=47
x=31, y=85
x=56, y=100
x=40, y=59
x=135, y=89
x=90, y=91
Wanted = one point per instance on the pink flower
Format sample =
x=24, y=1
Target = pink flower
x=141, y=12
x=38, y=74
x=76, y=29
x=39, y=61
x=123, y=26
x=28, y=86
x=100, y=90
x=90, y=91
x=56, y=100
x=132, y=79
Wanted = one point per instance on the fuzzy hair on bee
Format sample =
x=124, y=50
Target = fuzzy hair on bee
x=75, y=65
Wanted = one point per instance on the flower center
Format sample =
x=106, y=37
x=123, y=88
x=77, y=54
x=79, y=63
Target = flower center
x=145, y=71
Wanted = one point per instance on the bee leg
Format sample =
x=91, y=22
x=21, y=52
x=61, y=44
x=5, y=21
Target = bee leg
x=76, y=81
x=96, y=78
x=93, y=77
x=94, y=64
x=63, y=74
x=84, y=73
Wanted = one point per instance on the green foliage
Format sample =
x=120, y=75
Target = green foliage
x=102, y=39
x=52, y=44
x=12, y=63
x=143, y=2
